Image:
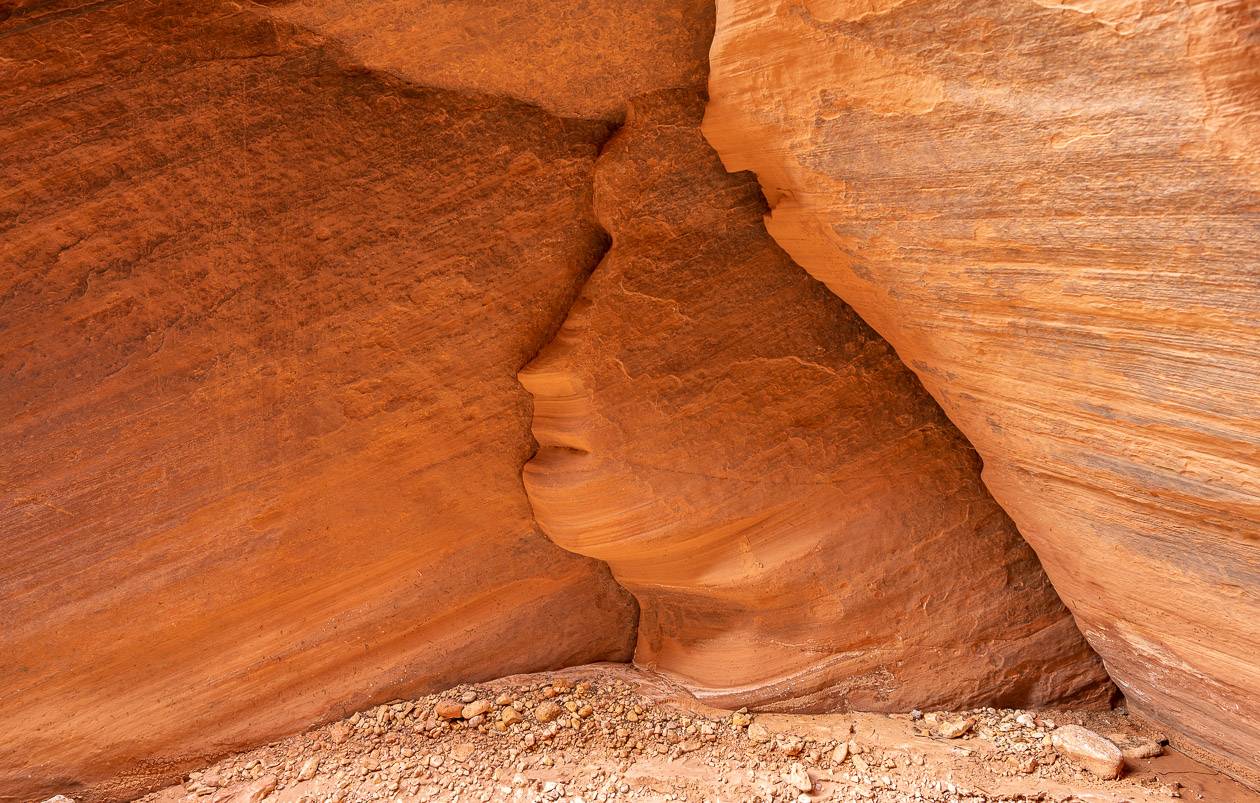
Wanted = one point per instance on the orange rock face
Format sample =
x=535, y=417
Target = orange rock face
x=1050, y=210
x=261, y=315
x=268, y=273
x=802, y=526
x=572, y=57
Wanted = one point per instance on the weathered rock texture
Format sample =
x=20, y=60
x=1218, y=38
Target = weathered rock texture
x=1051, y=211
x=572, y=57
x=803, y=527
x=263, y=299
x=261, y=314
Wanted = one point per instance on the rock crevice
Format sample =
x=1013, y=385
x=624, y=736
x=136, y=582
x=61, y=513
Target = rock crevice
x=802, y=527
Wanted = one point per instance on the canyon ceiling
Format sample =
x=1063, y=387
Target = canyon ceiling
x=352, y=349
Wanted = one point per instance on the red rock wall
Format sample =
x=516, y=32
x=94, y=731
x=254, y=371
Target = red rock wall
x=572, y=57
x=1051, y=211
x=261, y=314
x=802, y=526
x=263, y=297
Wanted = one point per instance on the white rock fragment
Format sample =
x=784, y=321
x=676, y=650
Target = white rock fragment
x=1089, y=750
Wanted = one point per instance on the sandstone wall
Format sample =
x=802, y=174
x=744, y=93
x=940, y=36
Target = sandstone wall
x=261, y=314
x=267, y=275
x=573, y=58
x=1051, y=211
x=802, y=526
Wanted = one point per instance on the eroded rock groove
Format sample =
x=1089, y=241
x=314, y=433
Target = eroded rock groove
x=802, y=527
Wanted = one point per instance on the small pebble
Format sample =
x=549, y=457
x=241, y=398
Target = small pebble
x=955, y=728
x=798, y=777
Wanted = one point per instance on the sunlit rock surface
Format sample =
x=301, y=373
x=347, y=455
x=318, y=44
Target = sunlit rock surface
x=803, y=527
x=1051, y=211
x=574, y=58
x=261, y=314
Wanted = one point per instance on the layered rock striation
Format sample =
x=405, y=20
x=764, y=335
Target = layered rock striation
x=268, y=273
x=261, y=314
x=802, y=526
x=1051, y=211
x=571, y=57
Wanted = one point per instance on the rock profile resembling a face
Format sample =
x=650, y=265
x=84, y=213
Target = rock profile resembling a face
x=260, y=431
x=802, y=526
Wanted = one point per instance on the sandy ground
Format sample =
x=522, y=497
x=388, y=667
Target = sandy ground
x=609, y=732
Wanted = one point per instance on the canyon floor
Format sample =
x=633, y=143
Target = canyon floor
x=610, y=732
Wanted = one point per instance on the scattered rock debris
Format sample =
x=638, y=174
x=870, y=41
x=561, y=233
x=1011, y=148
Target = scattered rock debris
x=612, y=733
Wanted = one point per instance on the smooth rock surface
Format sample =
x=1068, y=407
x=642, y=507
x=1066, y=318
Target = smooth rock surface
x=1052, y=211
x=261, y=314
x=802, y=527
